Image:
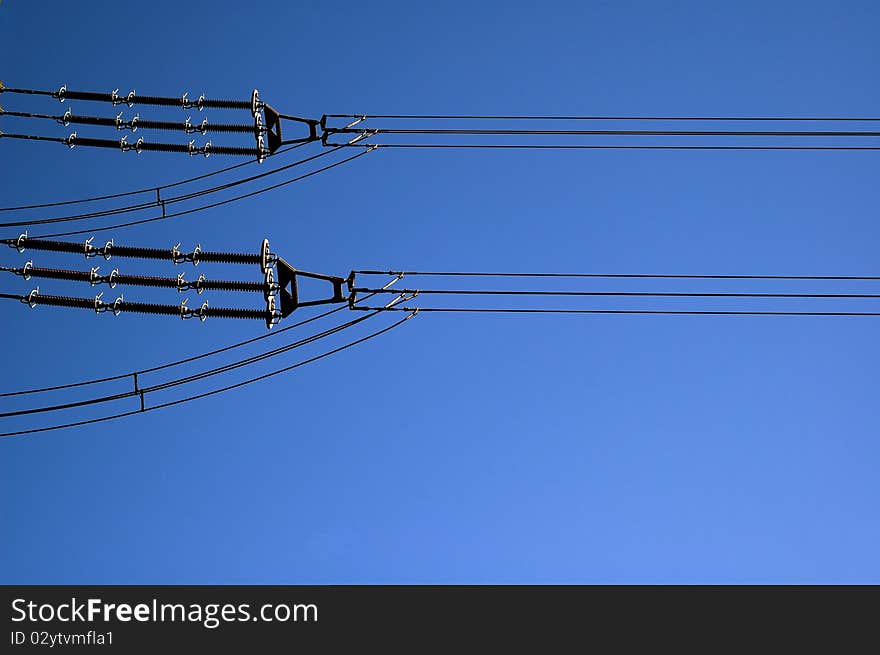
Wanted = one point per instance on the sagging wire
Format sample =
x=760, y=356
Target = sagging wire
x=141, y=391
x=206, y=394
x=152, y=190
x=166, y=215
x=161, y=202
x=135, y=374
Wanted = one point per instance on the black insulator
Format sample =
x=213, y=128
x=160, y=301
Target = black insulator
x=87, y=120
x=158, y=101
x=136, y=252
x=229, y=258
x=161, y=101
x=232, y=285
x=84, y=95
x=58, y=274
x=46, y=244
x=183, y=127
x=236, y=150
x=166, y=147
x=149, y=308
x=61, y=301
x=236, y=312
x=146, y=307
x=144, y=280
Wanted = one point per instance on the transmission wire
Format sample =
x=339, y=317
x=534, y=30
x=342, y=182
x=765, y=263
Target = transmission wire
x=215, y=391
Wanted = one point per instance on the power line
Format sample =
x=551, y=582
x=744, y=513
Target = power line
x=186, y=360
x=191, y=378
x=367, y=132
x=481, y=132
x=215, y=391
x=117, y=226
x=614, y=311
x=147, y=189
x=619, y=275
x=141, y=145
x=163, y=202
x=135, y=374
x=635, y=294
x=525, y=146
x=605, y=118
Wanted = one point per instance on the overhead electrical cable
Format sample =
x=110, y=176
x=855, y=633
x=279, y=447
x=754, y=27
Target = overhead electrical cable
x=163, y=202
x=479, y=132
x=532, y=146
x=853, y=119
x=153, y=189
x=116, y=226
x=143, y=390
x=495, y=310
x=206, y=394
x=398, y=127
x=634, y=294
x=186, y=360
x=621, y=275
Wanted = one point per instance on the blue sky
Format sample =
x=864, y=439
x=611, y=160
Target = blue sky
x=468, y=448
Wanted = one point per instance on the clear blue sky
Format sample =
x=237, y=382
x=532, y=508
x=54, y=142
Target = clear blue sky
x=469, y=448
